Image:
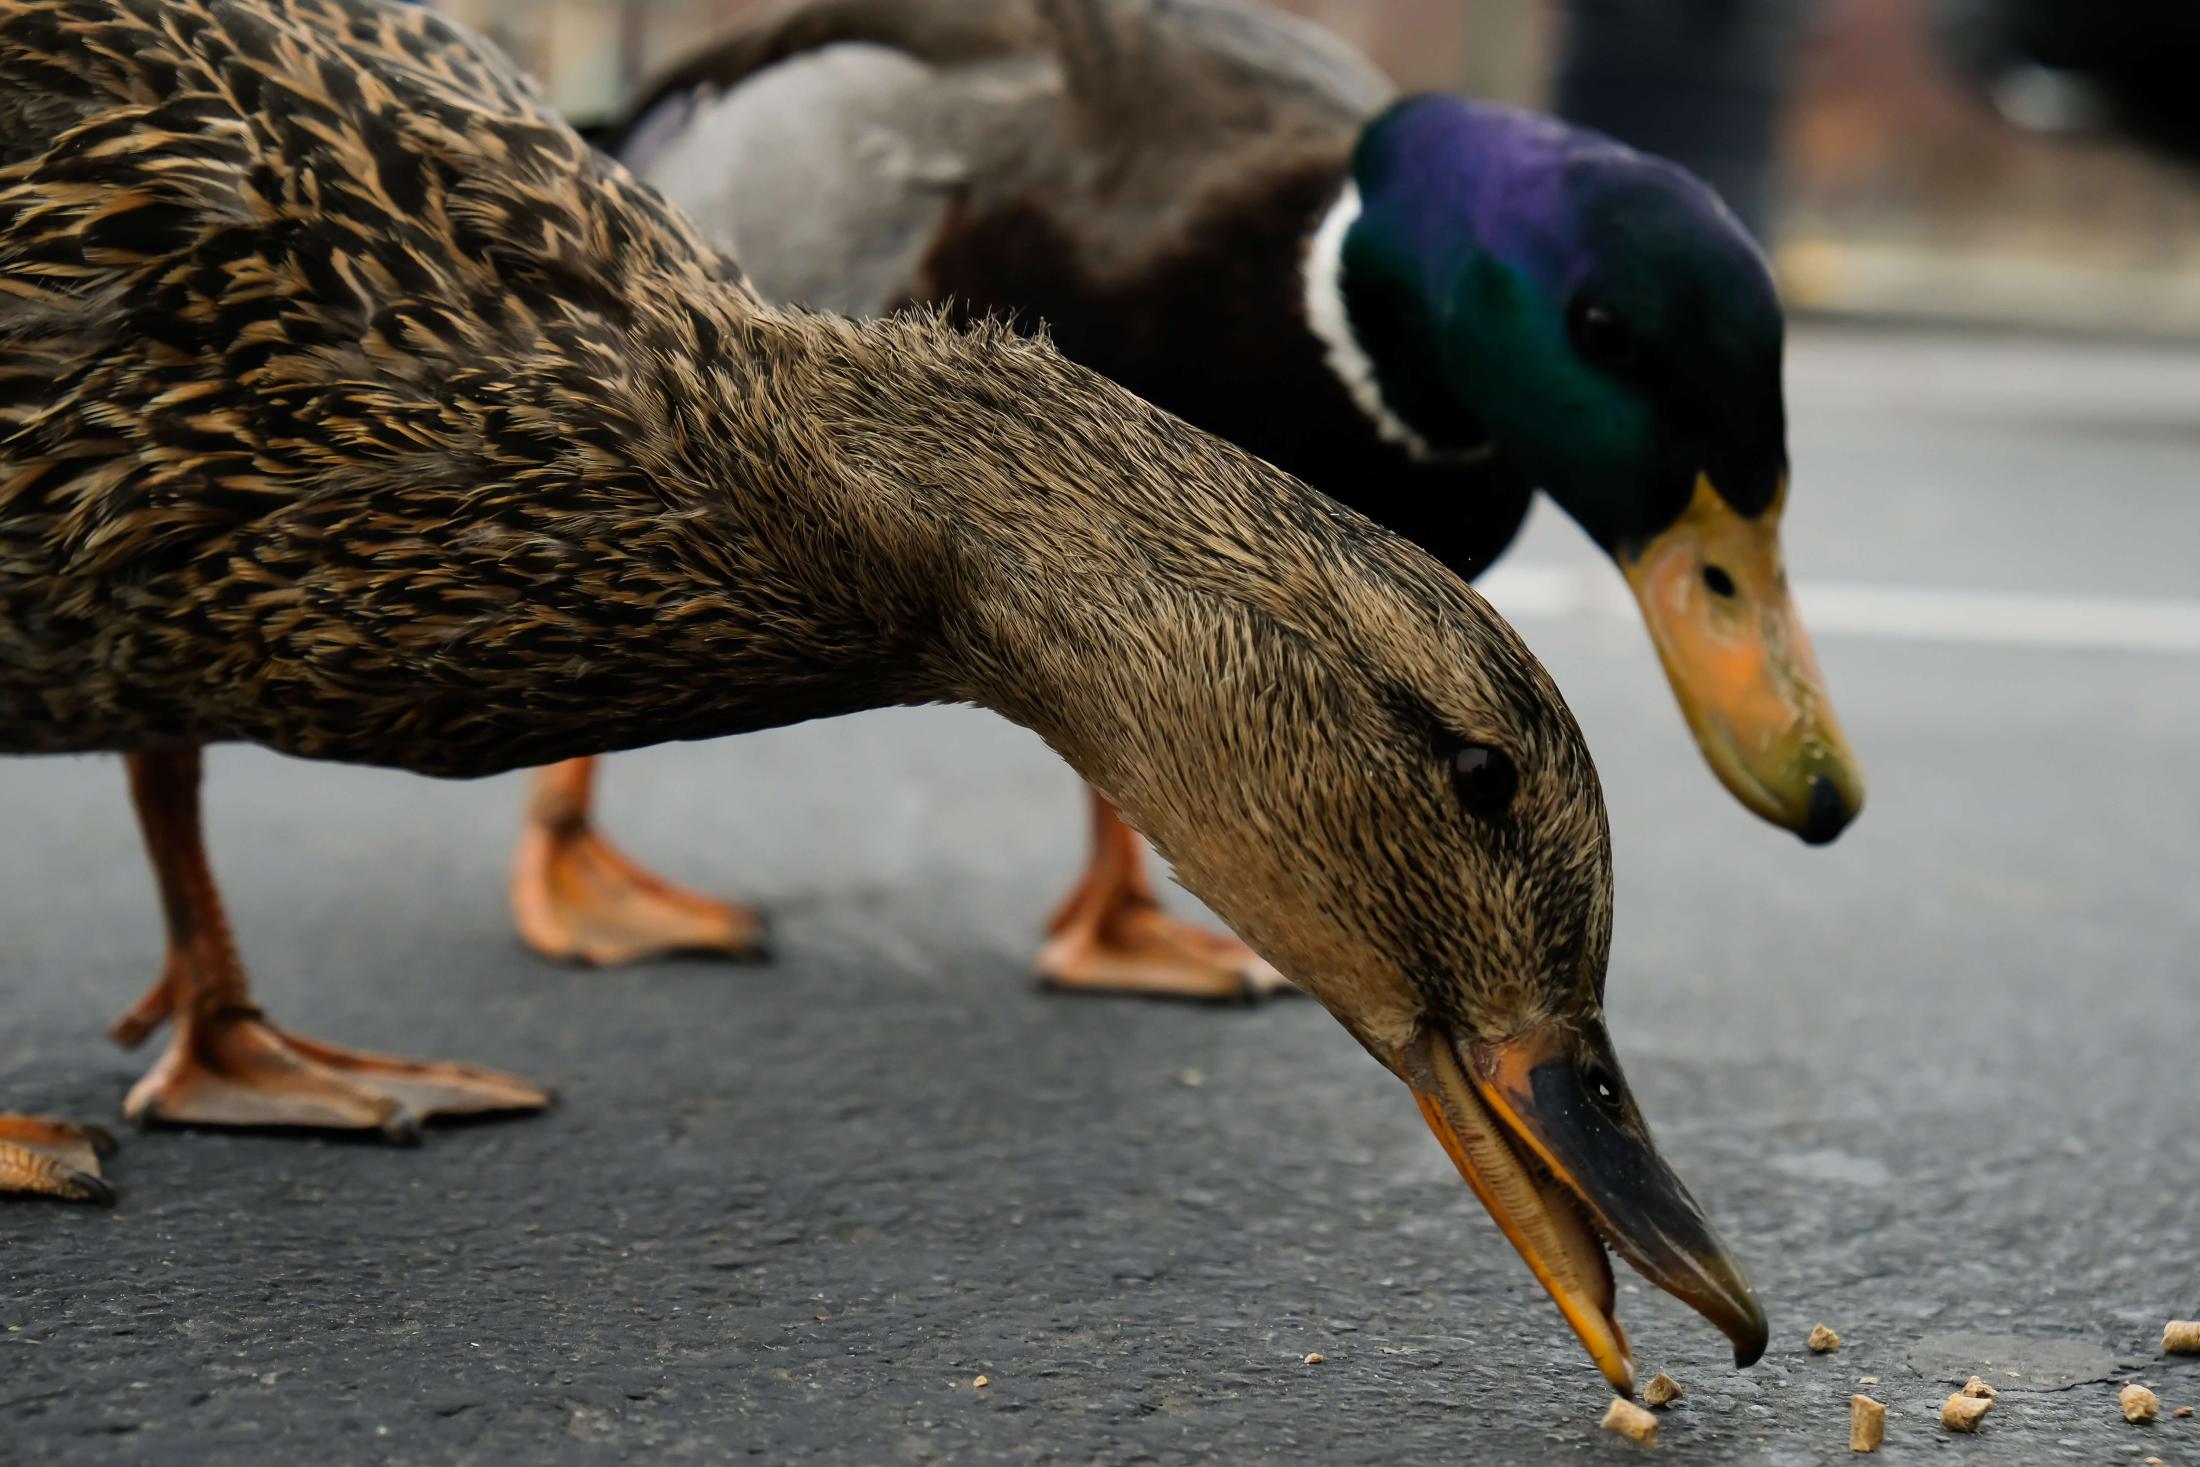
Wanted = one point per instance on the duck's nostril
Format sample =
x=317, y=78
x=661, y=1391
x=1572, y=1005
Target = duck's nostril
x=1828, y=813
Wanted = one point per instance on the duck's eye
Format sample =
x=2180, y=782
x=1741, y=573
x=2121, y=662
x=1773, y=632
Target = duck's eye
x=1715, y=577
x=1486, y=778
x=1601, y=337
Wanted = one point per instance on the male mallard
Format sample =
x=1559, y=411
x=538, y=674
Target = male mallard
x=351, y=406
x=1425, y=308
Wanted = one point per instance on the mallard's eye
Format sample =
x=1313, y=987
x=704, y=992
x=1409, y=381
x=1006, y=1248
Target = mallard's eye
x=1601, y=337
x=1718, y=581
x=1485, y=777
x=1603, y=1089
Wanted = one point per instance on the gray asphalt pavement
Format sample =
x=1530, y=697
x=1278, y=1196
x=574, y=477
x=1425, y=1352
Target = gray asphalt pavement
x=1936, y=1083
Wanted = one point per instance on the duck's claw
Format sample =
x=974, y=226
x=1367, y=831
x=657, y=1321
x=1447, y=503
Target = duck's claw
x=578, y=898
x=236, y=1069
x=54, y=1159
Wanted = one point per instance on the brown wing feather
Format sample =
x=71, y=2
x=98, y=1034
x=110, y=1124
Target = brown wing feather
x=1148, y=68
x=941, y=32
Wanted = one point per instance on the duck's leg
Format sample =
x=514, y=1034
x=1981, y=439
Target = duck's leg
x=53, y=1159
x=579, y=898
x=225, y=1064
x=1112, y=936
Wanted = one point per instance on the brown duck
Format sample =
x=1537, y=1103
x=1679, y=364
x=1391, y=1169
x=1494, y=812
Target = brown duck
x=1425, y=307
x=350, y=405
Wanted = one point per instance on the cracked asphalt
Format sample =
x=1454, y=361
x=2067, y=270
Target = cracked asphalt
x=1935, y=1083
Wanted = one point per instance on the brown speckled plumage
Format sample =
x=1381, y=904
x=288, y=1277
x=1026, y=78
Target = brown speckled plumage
x=349, y=405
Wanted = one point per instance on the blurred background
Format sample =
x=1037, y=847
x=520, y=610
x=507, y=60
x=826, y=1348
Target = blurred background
x=1946, y=160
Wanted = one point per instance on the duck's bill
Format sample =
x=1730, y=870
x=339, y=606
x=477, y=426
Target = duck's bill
x=1715, y=597
x=1558, y=1164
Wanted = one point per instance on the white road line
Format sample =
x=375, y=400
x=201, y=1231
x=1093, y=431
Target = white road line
x=1903, y=613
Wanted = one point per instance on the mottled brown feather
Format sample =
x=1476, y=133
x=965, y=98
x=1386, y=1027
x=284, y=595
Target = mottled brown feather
x=351, y=406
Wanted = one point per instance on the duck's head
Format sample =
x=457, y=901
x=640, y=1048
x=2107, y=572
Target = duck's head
x=1383, y=792
x=1501, y=281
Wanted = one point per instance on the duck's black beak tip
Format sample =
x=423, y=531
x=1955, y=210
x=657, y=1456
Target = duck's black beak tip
x=1750, y=1339
x=1827, y=815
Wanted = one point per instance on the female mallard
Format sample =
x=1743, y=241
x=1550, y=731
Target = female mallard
x=349, y=405
x=1424, y=308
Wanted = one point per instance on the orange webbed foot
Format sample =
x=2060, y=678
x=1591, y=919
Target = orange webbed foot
x=50, y=1158
x=1112, y=936
x=234, y=1068
x=1141, y=949
x=576, y=897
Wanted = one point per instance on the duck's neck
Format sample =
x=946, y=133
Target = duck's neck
x=807, y=517
x=1379, y=350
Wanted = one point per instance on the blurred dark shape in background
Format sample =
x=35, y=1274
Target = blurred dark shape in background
x=1906, y=193
x=2084, y=66
x=1699, y=81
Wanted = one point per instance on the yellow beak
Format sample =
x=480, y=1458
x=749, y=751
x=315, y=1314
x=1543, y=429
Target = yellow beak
x=1715, y=596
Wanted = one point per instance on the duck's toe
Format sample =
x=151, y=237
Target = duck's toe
x=236, y=1069
x=48, y=1158
x=578, y=898
x=1137, y=948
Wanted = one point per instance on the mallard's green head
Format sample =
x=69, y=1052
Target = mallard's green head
x=1492, y=278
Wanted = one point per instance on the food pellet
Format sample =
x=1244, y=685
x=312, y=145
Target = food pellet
x=2139, y=1403
x=1625, y=1418
x=1961, y=1413
x=981, y=1382
x=1867, y=1380
x=1823, y=1340
x=1316, y=1358
x=1978, y=1387
x=1663, y=1390
x=2182, y=1411
x=1867, y=1424
x=2181, y=1337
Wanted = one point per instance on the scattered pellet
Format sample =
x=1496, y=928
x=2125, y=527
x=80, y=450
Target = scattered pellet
x=1663, y=1390
x=1316, y=1358
x=2139, y=1403
x=1625, y=1418
x=1867, y=1424
x=1978, y=1387
x=1961, y=1413
x=1823, y=1340
x=981, y=1382
x=1867, y=1380
x=2181, y=1337
x=1191, y=1079
x=2153, y=1462
x=2182, y=1411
